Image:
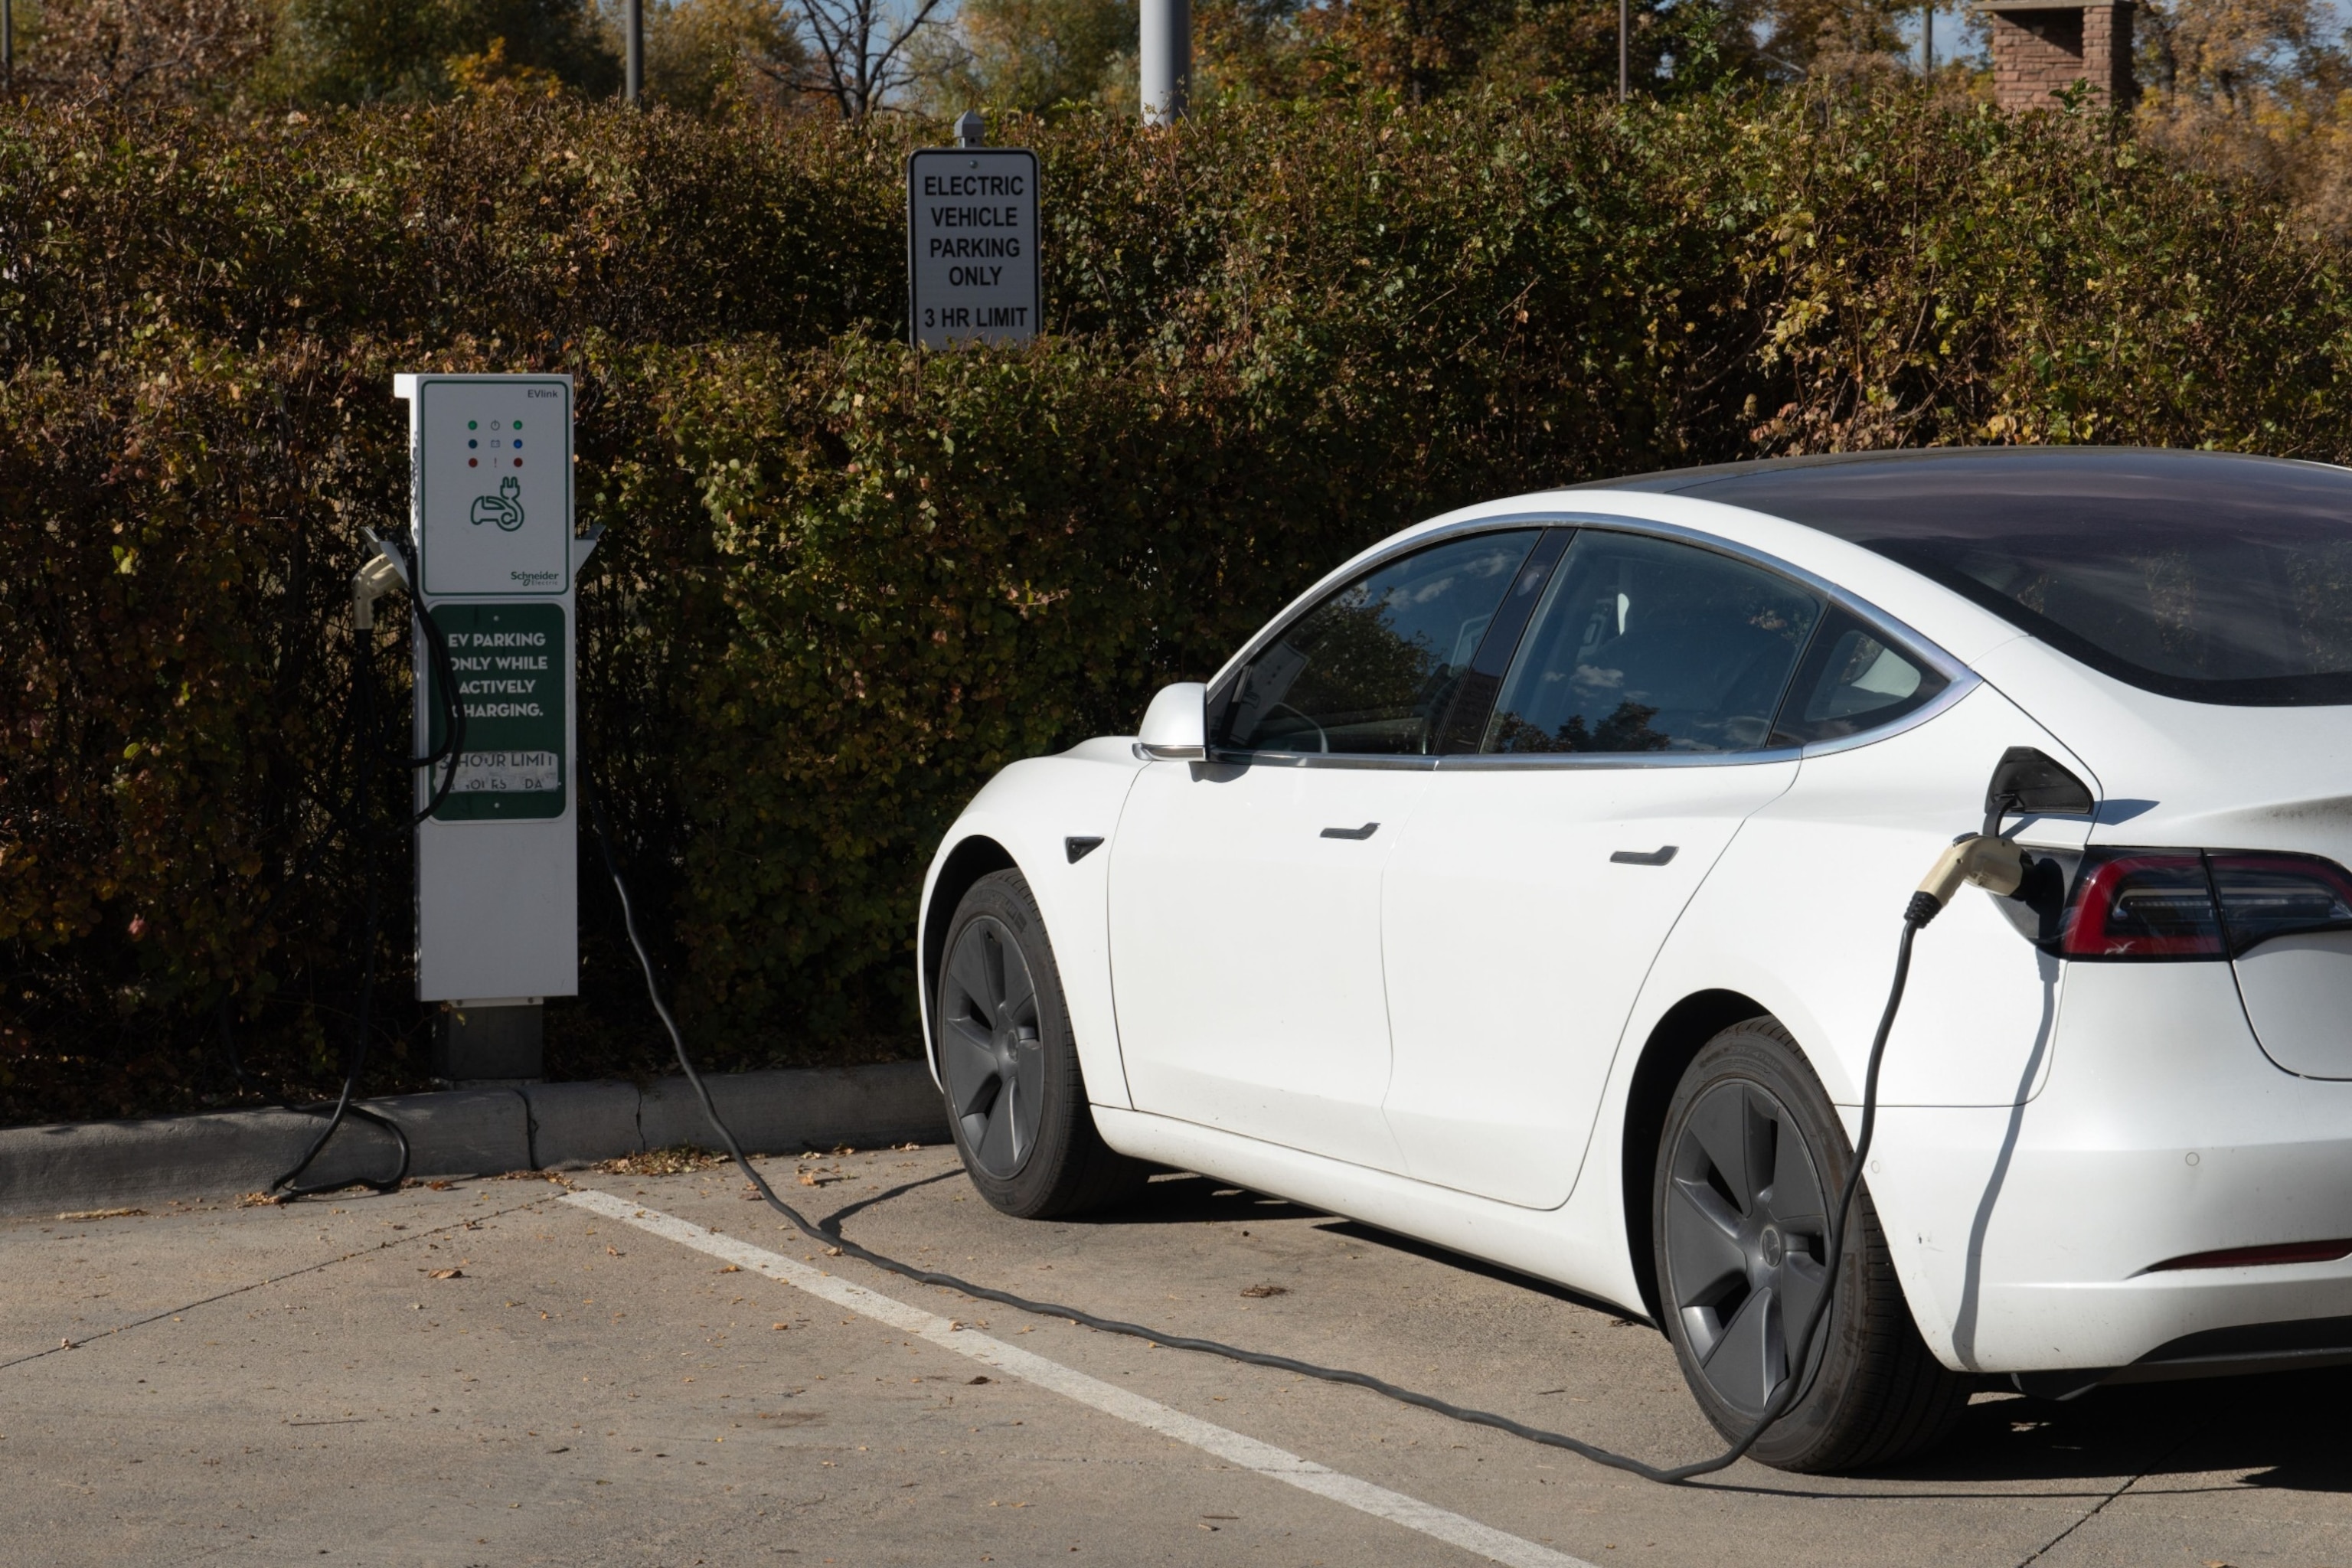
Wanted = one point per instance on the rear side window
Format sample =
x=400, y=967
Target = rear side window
x=1373, y=669
x=1643, y=645
x=2194, y=575
x=1854, y=678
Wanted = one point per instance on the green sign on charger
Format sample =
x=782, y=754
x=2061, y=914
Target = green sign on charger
x=509, y=661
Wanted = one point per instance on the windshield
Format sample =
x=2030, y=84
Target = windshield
x=2200, y=575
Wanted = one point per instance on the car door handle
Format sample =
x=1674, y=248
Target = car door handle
x=1366, y=831
x=1658, y=856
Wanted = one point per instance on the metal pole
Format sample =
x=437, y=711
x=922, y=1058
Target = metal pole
x=1927, y=40
x=1167, y=62
x=1624, y=46
x=972, y=129
x=633, y=25
x=7, y=46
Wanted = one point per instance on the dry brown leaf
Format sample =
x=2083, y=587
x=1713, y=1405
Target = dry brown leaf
x=101, y=1214
x=1260, y=1291
x=446, y=1273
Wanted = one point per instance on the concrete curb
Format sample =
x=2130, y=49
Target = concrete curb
x=463, y=1132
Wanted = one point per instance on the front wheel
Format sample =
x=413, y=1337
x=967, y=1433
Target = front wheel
x=1751, y=1159
x=1016, y=1101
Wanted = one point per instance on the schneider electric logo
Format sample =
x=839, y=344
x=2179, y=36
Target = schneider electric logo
x=533, y=579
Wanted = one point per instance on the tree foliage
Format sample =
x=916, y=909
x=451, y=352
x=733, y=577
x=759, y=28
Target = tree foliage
x=845, y=582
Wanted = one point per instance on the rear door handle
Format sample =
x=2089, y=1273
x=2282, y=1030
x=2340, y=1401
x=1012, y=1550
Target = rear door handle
x=1657, y=857
x=1366, y=831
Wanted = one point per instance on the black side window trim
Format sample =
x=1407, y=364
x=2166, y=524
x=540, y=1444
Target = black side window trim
x=1474, y=699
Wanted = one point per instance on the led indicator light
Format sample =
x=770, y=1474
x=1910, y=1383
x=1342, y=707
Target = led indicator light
x=518, y=462
x=473, y=424
x=473, y=462
x=473, y=443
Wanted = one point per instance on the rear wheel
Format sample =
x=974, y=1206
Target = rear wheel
x=1751, y=1159
x=1016, y=1101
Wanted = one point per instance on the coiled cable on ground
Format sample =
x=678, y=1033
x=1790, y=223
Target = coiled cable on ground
x=1775, y=1407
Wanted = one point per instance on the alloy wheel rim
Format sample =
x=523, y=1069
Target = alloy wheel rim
x=1746, y=1225
x=992, y=1046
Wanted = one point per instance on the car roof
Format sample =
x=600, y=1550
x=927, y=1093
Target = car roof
x=1812, y=513
x=1928, y=471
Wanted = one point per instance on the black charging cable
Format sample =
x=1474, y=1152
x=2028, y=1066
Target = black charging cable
x=1923, y=909
x=443, y=675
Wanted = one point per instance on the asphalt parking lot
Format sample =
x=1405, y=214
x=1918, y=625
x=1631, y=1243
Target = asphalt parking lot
x=516, y=1372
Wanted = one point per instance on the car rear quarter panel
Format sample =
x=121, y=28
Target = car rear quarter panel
x=1029, y=810
x=1802, y=917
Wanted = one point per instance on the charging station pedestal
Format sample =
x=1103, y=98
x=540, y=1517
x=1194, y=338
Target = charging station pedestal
x=497, y=894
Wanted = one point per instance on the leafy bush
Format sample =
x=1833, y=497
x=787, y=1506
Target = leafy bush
x=844, y=582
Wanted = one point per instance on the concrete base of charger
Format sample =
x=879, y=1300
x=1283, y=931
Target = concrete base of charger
x=464, y=1132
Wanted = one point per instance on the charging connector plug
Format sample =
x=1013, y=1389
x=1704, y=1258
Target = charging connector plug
x=370, y=582
x=1996, y=865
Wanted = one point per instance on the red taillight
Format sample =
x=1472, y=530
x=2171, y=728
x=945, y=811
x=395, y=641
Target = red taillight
x=2146, y=904
x=2264, y=896
x=2159, y=904
x=2250, y=1256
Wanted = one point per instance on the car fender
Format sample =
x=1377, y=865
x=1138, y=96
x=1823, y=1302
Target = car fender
x=1025, y=817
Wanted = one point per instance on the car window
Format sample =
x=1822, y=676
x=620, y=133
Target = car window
x=1642, y=645
x=2200, y=575
x=1854, y=678
x=1372, y=668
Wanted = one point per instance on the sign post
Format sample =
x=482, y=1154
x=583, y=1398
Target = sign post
x=497, y=861
x=972, y=246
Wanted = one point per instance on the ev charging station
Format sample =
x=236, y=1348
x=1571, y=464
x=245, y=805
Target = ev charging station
x=494, y=557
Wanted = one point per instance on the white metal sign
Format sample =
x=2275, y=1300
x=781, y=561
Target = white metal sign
x=497, y=861
x=972, y=246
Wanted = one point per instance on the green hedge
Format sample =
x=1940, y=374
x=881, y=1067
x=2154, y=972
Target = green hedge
x=843, y=582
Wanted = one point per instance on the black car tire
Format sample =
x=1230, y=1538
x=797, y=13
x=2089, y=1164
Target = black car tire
x=1016, y=1099
x=1750, y=1159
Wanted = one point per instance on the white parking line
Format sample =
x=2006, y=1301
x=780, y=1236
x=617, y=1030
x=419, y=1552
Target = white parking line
x=1246, y=1453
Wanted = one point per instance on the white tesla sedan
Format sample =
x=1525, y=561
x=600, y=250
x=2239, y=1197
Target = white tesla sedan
x=1531, y=886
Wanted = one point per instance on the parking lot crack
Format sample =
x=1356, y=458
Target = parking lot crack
x=2096, y=1509
x=70, y=1344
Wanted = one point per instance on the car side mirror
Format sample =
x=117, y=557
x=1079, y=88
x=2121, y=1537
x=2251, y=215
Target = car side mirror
x=1176, y=725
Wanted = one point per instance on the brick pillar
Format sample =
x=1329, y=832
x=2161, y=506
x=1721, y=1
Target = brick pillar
x=2040, y=49
x=2108, y=52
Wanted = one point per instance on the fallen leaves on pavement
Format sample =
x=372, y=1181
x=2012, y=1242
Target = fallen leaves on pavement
x=681, y=1160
